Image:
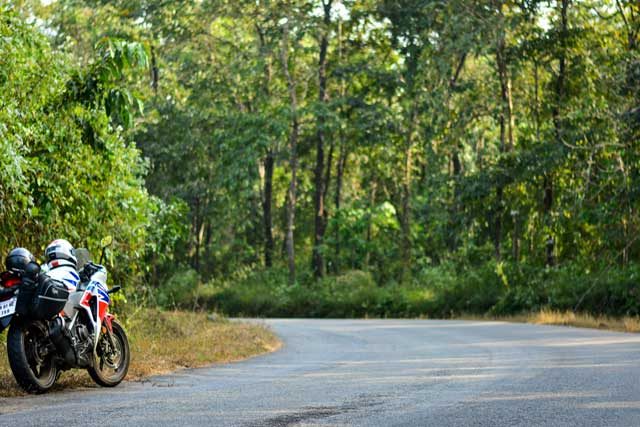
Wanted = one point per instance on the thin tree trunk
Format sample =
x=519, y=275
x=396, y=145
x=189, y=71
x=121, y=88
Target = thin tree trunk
x=560, y=80
x=268, y=163
x=456, y=164
x=557, y=123
x=515, y=243
x=342, y=163
x=196, y=234
x=626, y=219
x=372, y=202
x=506, y=102
x=497, y=232
x=293, y=153
x=207, y=248
x=405, y=223
x=155, y=75
x=327, y=185
x=266, y=208
x=536, y=107
x=320, y=214
x=505, y=120
x=327, y=175
x=456, y=172
x=480, y=153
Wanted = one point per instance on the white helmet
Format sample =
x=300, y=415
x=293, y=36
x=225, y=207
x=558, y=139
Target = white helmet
x=60, y=252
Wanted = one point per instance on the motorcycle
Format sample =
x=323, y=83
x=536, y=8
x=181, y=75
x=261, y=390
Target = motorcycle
x=54, y=327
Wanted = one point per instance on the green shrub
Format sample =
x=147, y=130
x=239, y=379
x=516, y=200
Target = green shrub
x=180, y=290
x=441, y=291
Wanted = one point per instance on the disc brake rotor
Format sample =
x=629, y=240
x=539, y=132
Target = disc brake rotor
x=110, y=356
x=34, y=350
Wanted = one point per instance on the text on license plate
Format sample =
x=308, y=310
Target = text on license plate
x=8, y=307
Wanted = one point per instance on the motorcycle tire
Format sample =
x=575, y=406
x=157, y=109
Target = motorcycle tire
x=110, y=365
x=34, y=370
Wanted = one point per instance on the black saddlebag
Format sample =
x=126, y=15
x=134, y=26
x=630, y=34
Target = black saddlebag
x=50, y=299
x=42, y=300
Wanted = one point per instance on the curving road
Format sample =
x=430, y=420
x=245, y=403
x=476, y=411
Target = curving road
x=380, y=373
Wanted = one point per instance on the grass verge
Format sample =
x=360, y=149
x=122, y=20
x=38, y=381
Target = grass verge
x=162, y=342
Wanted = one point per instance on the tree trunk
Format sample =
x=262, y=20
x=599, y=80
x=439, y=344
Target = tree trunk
x=497, y=232
x=454, y=208
x=266, y=208
x=293, y=153
x=515, y=242
x=342, y=163
x=455, y=163
x=268, y=162
x=405, y=219
x=560, y=80
x=155, y=74
x=196, y=234
x=372, y=202
x=557, y=123
x=207, y=249
x=506, y=102
x=320, y=213
x=547, y=204
x=506, y=122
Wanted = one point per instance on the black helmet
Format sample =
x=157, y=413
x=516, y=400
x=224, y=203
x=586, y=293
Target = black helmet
x=18, y=260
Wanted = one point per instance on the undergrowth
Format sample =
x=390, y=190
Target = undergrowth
x=447, y=290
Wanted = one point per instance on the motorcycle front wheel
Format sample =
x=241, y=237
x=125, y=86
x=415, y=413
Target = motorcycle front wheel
x=30, y=356
x=111, y=362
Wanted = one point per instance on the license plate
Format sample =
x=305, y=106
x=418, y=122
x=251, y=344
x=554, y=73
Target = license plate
x=8, y=307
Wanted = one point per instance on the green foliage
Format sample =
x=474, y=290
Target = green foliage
x=443, y=291
x=66, y=171
x=179, y=290
x=353, y=294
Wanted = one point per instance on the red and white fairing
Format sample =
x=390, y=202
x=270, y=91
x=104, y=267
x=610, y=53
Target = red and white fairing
x=93, y=301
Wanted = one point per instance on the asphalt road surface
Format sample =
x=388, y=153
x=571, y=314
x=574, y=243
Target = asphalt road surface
x=380, y=373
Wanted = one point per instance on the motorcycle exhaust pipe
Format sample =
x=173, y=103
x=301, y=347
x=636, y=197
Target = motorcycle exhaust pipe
x=61, y=342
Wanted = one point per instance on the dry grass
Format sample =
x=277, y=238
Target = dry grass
x=569, y=318
x=162, y=342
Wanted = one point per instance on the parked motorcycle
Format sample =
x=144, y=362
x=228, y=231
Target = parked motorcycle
x=54, y=327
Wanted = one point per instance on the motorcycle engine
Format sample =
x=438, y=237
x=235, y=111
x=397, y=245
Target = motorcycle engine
x=81, y=332
x=83, y=345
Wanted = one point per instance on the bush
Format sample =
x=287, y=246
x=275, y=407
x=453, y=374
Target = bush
x=180, y=290
x=442, y=291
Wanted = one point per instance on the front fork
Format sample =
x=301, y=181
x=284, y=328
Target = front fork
x=107, y=329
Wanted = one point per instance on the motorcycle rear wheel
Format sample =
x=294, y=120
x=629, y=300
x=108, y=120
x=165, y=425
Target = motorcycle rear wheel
x=32, y=365
x=111, y=363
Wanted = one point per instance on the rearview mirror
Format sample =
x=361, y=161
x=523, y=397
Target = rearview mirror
x=106, y=241
x=83, y=256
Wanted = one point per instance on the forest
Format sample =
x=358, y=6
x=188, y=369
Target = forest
x=388, y=158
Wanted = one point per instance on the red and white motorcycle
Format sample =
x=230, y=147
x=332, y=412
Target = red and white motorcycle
x=56, y=326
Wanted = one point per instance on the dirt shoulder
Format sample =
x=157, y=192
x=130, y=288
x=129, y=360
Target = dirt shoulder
x=568, y=318
x=162, y=342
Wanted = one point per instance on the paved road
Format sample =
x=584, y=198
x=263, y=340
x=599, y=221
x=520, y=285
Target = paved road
x=380, y=373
